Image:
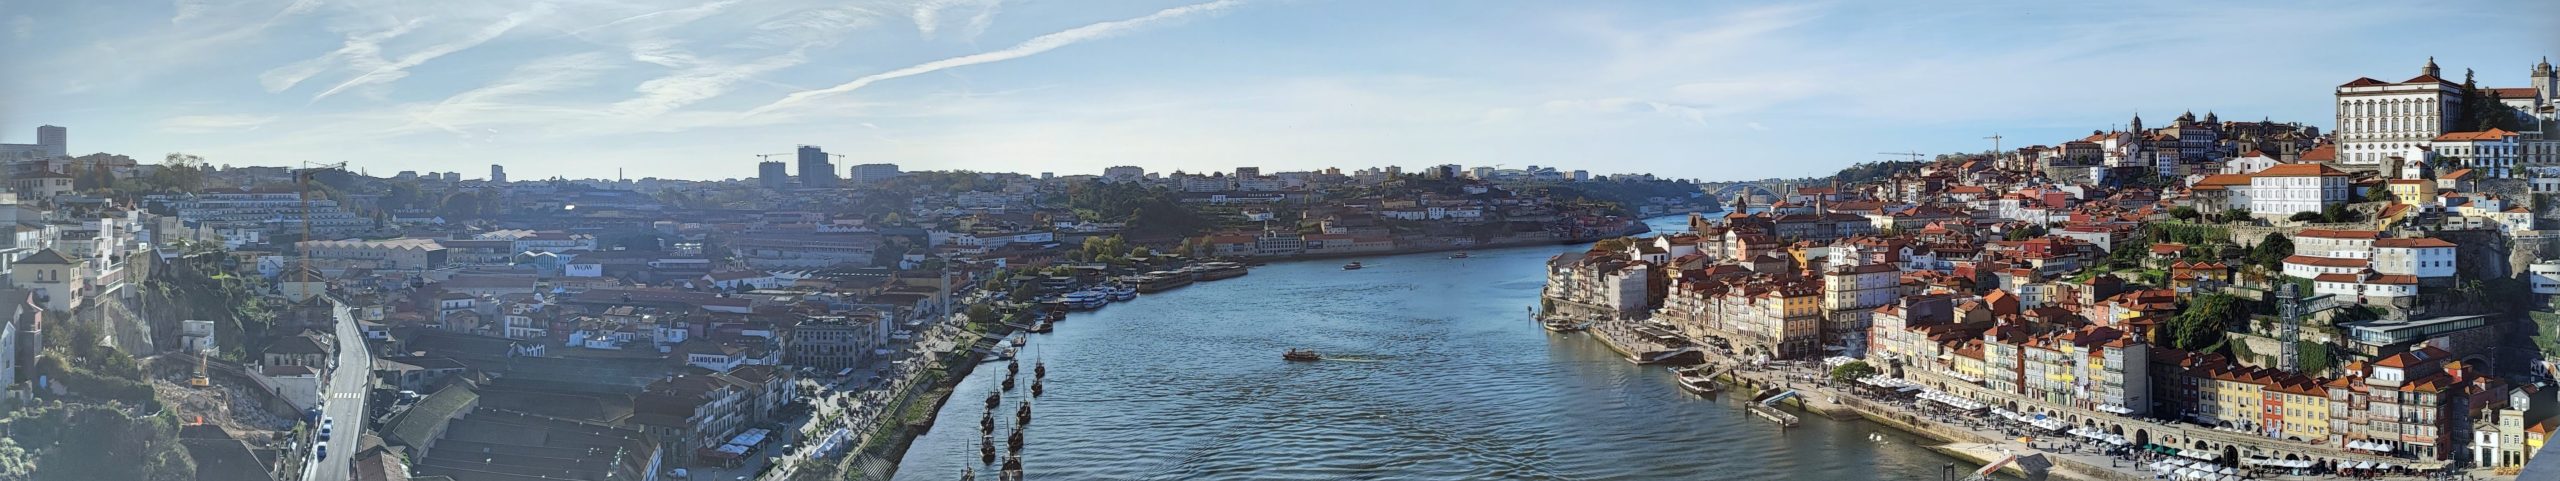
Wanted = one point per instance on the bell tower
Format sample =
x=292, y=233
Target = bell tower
x=2546, y=82
x=2431, y=69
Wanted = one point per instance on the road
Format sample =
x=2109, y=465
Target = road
x=346, y=397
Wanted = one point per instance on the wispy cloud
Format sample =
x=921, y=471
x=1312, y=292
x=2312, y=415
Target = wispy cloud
x=22, y=27
x=1034, y=46
x=212, y=124
x=663, y=18
x=929, y=19
x=377, y=72
x=700, y=82
x=358, y=48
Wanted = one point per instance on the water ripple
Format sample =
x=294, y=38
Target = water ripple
x=1435, y=375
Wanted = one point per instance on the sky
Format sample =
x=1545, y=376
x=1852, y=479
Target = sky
x=698, y=89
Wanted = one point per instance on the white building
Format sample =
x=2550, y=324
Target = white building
x=2494, y=152
x=2545, y=276
x=2423, y=257
x=2378, y=120
x=2284, y=190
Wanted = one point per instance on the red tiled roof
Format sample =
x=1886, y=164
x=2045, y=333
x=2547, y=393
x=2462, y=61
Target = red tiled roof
x=2491, y=135
x=2412, y=242
x=2510, y=92
x=2363, y=82
x=2325, y=153
x=2300, y=170
x=2326, y=261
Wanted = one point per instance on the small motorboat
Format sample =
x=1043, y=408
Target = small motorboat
x=1019, y=341
x=1045, y=326
x=1460, y=255
x=1562, y=325
x=1351, y=266
x=1123, y=293
x=1301, y=355
x=1700, y=385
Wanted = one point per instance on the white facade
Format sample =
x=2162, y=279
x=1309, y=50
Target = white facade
x=2418, y=257
x=2378, y=120
x=2545, y=276
x=2283, y=191
x=2494, y=153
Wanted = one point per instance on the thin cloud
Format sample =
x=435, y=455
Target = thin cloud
x=1034, y=46
x=211, y=124
x=672, y=16
x=394, y=71
x=357, y=48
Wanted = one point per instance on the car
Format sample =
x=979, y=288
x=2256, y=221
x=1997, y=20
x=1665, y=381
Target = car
x=324, y=432
x=320, y=452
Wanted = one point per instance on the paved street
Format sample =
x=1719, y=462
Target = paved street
x=345, y=395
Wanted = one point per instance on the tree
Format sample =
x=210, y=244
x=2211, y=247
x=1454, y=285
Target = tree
x=982, y=313
x=2305, y=216
x=88, y=441
x=2271, y=251
x=2185, y=213
x=2201, y=323
x=1852, y=372
x=2234, y=215
x=2336, y=213
x=1614, y=244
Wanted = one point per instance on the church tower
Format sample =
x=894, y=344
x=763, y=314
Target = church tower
x=2137, y=123
x=2546, y=82
x=2431, y=69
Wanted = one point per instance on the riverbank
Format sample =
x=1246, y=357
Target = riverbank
x=1962, y=442
x=1635, y=228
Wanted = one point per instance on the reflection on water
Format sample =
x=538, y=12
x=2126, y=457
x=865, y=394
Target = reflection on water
x=1433, y=373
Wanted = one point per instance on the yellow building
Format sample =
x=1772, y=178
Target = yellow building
x=2413, y=191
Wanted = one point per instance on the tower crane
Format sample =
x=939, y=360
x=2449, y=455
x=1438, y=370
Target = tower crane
x=1914, y=155
x=302, y=177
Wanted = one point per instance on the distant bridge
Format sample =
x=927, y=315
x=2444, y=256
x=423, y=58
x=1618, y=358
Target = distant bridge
x=1726, y=193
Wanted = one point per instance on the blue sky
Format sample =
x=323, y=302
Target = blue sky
x=694, y=89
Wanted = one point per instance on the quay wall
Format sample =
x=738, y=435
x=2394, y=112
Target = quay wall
x=1847, y=408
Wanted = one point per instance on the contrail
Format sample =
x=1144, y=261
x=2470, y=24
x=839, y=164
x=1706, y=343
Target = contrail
x=1027, y=48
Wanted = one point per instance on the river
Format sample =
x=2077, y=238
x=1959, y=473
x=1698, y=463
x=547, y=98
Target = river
x=1434, y=372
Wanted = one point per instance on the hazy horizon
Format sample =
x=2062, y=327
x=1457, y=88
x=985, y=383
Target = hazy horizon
x=694, y=90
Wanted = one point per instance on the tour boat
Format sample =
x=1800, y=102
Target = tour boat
x=1211, y=271
x=1123, y=293
x=1086, y=299
x=1301, y=355
x=1351, y=266
x=1160, y=281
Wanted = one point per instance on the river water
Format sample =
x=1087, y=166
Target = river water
x=1434, y=372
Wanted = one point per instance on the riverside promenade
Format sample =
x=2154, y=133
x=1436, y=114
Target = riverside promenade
x=1975, y=438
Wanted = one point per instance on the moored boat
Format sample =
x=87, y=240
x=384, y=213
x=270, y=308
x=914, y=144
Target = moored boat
x=1698, y=384
x=1301, y=355
x=1460, y=255
x=1123, y=293
x=1562, y=325
x=1085, y=299
x=1353, y=266
x=1211, y=271
x=1160, y=281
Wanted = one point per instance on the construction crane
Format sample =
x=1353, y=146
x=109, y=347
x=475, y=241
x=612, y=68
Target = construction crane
x=1913, y=155
x=1995, y=142
x=302, y=177
x=201, y=380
